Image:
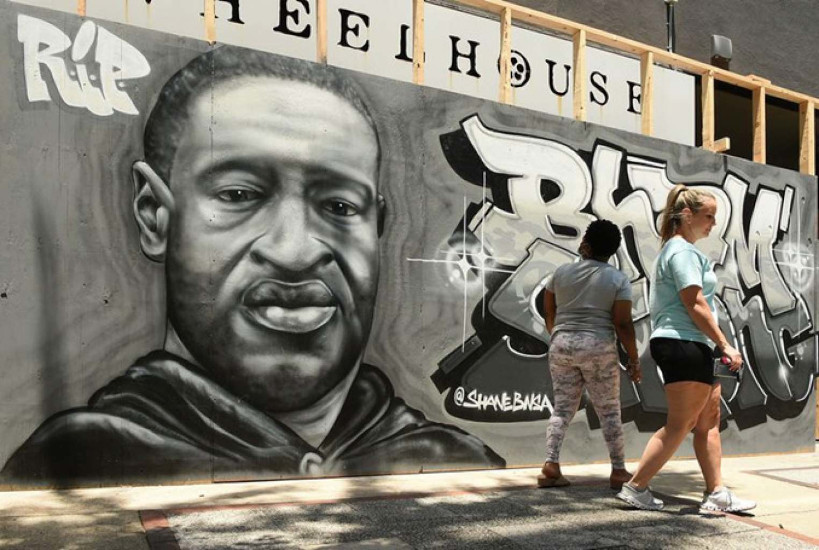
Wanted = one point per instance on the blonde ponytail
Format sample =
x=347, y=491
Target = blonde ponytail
x=680, y=198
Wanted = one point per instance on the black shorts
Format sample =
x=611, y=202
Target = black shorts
x=683, y=360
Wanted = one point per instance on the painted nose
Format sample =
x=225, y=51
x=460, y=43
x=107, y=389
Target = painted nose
x=289, y=243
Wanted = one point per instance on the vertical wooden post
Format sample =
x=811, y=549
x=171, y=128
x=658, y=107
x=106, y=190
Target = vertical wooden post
x=807, y=138
x=707, y=85
x=82, y=8
x=210, y=21
x=321, y=31
x=418, y=41
x=759, y=125
x=505, y=92
x=647, y=93
x=579, y=62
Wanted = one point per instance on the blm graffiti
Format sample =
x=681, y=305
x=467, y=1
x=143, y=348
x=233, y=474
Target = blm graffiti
x=539, y=195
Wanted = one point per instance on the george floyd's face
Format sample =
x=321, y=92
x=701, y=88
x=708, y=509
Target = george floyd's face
x=272, y=252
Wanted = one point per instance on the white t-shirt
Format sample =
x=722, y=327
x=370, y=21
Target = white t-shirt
x=585, y=293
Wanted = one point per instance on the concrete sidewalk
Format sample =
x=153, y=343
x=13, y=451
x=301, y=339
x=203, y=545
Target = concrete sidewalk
x=492, y=509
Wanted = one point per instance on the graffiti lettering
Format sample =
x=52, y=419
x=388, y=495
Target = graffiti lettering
x=503, y=402
x=543, y=195
x=45, y=46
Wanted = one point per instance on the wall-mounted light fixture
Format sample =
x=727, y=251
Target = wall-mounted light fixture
x=721, y=51
x=669, y=24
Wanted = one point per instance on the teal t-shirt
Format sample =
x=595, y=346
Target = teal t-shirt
x=679, y=266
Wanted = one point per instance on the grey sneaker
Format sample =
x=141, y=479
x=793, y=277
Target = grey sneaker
x=642, y=500
x=723, y=500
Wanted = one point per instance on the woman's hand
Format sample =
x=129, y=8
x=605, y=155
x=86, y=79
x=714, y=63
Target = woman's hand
x=635, y=372
x=733, y=354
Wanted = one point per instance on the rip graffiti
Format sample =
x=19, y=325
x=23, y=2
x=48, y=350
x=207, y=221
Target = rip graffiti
x=47, y=47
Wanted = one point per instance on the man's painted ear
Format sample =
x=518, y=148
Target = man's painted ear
x=153, y=207
x=382, y=213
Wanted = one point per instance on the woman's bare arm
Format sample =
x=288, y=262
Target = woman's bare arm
x=700, y=313
x=624, y=327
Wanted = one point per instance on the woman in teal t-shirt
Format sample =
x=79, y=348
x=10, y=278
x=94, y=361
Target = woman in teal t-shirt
x=685, y=329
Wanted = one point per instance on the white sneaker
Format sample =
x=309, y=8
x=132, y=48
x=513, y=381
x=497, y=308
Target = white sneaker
x=723, y=500
x=642, y=500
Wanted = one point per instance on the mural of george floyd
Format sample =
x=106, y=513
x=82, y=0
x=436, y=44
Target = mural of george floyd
x=222, y=264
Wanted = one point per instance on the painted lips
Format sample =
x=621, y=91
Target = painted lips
x=296, y=308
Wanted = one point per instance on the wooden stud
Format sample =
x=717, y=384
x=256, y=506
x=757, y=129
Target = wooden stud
x=321, y=31
x=807, y=138
x=579, y=63
x=647, y=93
x=759, y=125
x=210, y=21
x=721, y=145
x=82, y=8
x=418, y=41
x=707, y=85
x=505, y=92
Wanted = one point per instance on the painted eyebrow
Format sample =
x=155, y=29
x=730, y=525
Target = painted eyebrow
x=338, y=178
x=247, y=165
x=266, y=170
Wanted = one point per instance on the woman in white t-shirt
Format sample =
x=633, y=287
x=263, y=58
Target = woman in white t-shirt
x=684, y=331
x=586, y=303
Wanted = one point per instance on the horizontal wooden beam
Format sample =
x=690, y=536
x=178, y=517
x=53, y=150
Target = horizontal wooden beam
x=721, y=145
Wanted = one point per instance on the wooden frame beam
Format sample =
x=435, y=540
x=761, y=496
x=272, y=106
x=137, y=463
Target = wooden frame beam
x=321, y=31
x=210, y=20
x=565, y=26
x=721, y=145
x=579, y=62
x=807, y=138
x=505, y=92
x=759, y=126
x=647, y=93
x=649, y=56
x=707, y=87
x=418, y=41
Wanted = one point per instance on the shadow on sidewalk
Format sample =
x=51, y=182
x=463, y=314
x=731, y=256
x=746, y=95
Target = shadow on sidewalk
x=584, y=515
x=71, y=520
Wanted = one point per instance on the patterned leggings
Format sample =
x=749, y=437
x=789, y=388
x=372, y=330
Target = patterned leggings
x=575, y=359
